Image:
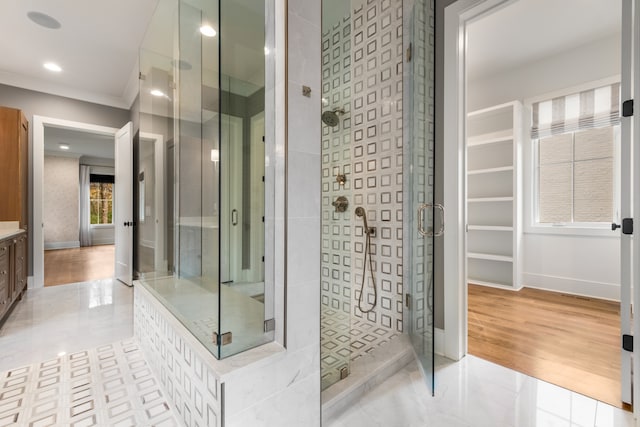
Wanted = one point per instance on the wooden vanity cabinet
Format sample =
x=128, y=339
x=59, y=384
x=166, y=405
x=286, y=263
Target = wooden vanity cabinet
x=5, y=275
x=13, y=271
x=14, y=157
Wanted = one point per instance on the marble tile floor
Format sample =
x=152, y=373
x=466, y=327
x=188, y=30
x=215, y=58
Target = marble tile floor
x=111, y=385
x=66, y=318
x=96, y=315
x=476, y=393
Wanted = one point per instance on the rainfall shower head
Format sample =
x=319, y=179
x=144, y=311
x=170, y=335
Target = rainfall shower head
x=330, y=118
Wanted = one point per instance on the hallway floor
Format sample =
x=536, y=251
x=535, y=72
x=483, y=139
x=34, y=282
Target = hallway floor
x=103, y=380
x=64, y=266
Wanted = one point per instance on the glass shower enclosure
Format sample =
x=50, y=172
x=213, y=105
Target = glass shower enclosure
x=378, y=159
x=200, y=166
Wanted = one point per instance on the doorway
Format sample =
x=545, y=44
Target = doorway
x=60, y=147
x=525, y=255
x=540, y=202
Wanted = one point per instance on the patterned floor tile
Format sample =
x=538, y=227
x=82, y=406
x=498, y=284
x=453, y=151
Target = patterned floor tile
x=108, y=385
x=345, y=340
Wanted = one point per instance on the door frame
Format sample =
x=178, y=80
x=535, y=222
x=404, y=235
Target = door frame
x=456, y=16
x=160, y=260
x=37, y=229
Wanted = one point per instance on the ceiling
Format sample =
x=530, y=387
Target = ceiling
x=80, y=143
x=96, y=46
x=527, y=30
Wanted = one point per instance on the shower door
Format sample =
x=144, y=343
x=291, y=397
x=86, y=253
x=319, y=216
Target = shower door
x=419, y=181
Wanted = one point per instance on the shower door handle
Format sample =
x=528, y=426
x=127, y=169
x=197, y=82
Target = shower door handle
x=440, y=208
x=234, y=217
x=430, y=233
x=421, y=209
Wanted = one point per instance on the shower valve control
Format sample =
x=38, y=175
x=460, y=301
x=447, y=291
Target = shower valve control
x=341, y=204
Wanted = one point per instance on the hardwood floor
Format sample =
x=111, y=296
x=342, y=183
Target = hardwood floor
x=63, y=266
x=569, y=341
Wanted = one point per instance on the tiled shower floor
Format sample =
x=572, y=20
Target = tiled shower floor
x=345, y=340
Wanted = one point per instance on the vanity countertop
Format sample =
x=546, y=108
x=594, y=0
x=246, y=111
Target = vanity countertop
x=9, y=229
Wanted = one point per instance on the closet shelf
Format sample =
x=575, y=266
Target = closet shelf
x=490, y=228
x=491, y=170
x=489, y=257
x=492, y=284
x=488, y=139
x=489, y=199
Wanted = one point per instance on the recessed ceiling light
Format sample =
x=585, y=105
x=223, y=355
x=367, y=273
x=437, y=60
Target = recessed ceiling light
x=208, y=31
x=52, y=67
x=63, y=146
x=62, y=353
x=44, y=20
x=157, y=92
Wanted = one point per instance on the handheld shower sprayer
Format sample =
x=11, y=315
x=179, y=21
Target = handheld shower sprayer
x=360, y=213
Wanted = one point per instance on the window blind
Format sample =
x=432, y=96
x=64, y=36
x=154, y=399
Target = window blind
x=584, y=110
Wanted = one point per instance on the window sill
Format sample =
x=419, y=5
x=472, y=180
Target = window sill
x=101, y=225
x=569, y=230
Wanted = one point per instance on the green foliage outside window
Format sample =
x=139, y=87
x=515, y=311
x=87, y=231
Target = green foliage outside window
x=101, y=200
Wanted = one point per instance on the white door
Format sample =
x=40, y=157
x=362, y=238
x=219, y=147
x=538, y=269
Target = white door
x=628, y=123
x=123, y=205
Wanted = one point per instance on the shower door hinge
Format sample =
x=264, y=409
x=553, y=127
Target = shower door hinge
x=223, y=339
x=627, y=108
x=270, y=325
x=627, y=342
x=407, y=300
x=409, y=52
x=141, y=76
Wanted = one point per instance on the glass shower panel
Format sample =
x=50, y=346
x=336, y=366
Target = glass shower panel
x=420, y=91
x=197, y=170
x=153, y=157
x=242, y=174
x=201, y=159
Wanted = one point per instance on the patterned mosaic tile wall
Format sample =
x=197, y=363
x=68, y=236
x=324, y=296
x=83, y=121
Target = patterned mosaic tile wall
x=421, y=151
x=377, y=155
x=191, y=387
x=336, y=159
x=362, y=75
x=111, y=385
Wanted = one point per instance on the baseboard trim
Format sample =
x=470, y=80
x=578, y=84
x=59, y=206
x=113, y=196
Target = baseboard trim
x=99, y=242
x=585, y=288
x=62, y=245
x=438, y=341
x=147, y=243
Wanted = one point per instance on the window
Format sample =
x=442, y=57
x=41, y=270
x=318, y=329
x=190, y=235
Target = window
x=101, y=199
x=575, y=139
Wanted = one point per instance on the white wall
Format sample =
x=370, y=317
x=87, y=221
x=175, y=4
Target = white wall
x=586, y=265
x=61, y=190
x=594, y=61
